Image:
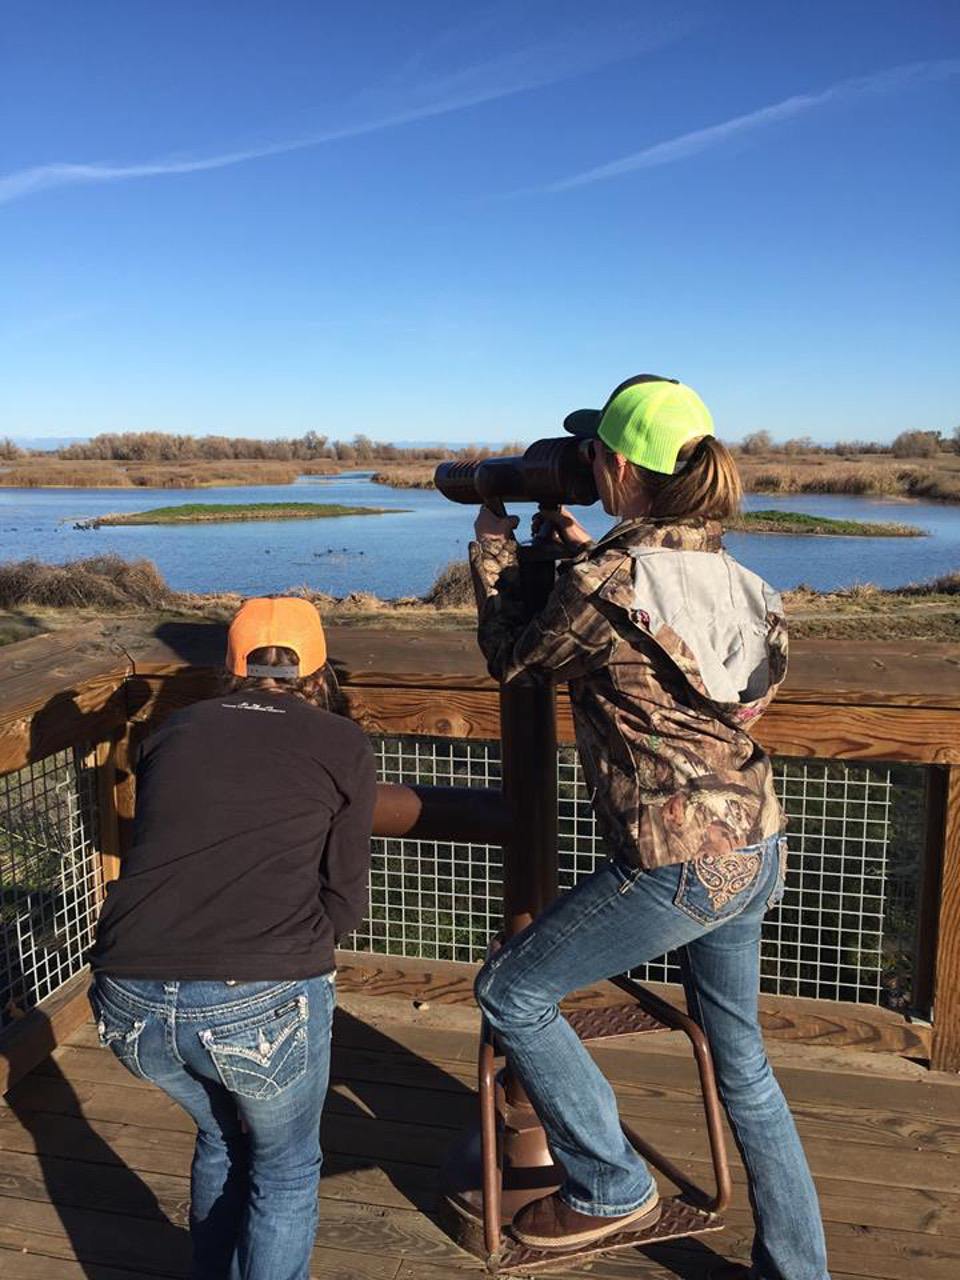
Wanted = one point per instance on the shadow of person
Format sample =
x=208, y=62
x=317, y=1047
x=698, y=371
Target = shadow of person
x=201, y=644
x=393, y=1110
x=391, y=1119
x=109, y=1217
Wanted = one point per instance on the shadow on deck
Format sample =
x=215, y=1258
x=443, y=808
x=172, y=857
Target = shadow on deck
x=94, y=1165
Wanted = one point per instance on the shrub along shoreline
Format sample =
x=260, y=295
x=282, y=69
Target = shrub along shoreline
x=36, y=597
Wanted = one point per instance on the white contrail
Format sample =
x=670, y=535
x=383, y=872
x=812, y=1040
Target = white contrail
x=688, y=144
x=516, y=72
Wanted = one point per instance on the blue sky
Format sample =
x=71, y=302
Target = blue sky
x=437, y=221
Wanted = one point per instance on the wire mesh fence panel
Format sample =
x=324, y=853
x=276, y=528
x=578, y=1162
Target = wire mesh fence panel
x=50, y=878
x=435, y=899
x=845, y=929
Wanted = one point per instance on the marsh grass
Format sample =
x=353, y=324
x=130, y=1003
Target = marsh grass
x=41, y=473
x=406, y=478
x=859, y=475
x=64, y=475
x=866, y=476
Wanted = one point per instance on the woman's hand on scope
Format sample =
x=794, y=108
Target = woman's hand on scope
x=488, y=525
x=556, y=524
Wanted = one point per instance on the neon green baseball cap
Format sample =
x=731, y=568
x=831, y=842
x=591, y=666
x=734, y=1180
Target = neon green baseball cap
x=647, y=419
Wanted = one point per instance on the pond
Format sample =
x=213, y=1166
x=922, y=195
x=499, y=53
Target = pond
x=400, y=554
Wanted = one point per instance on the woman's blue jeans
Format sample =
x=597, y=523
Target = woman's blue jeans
x=620, y=917
x=250, y=1062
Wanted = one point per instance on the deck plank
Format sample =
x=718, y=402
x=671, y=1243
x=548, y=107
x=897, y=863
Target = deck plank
x=94, y=1164
x=375, y=1119
x=359, y=1074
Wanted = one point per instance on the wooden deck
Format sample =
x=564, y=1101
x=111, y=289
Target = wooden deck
x=94, y=1165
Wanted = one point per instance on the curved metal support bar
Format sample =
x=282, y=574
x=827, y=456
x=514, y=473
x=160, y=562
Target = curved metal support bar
x=492, y=1171
x=471, y=815
x=713, y=1114
x=666, y=1166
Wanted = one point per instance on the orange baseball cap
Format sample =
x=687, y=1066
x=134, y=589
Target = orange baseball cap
x=285, y=620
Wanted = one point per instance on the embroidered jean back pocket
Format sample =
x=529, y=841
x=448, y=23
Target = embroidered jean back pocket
x=780, y=883
x=719, y=886
x=260, y=1056
x=119, y=1031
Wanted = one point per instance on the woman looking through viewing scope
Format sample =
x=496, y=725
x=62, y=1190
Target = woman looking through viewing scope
x=671, y=649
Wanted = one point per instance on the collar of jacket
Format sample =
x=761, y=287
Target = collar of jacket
x=691, y=534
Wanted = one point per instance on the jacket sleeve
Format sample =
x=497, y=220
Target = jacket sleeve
x=345, y=866
x=568, y=638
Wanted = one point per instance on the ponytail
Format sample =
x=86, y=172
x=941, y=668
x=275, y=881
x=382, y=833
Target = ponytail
x=320, y=689
x=708, y=484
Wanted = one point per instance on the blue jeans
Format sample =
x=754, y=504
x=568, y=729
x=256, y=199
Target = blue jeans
x=619, y=917
x=250, y=1062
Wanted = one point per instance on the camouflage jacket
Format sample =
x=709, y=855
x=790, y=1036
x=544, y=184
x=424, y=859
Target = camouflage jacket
x=671, y=649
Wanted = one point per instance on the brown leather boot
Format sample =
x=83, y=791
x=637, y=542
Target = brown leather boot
x=550, y=1224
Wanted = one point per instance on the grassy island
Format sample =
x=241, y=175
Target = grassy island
x=224, y=512
x=797, y=522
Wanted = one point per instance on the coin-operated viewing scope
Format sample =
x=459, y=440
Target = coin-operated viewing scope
x=551, y=472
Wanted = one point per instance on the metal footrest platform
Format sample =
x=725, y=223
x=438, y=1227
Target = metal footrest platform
x=613, y=1020
x=505, y=1163
x=677, y=1218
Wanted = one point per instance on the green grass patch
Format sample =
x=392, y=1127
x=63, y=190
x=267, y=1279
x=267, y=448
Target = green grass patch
x=797, y=522
x=218, y=512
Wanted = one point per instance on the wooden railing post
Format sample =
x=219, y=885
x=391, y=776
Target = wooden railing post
x=105, y=757
x=124, y=783
x=945, y=1054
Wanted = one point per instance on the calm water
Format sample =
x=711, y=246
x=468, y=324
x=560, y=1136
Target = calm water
x=401, y=553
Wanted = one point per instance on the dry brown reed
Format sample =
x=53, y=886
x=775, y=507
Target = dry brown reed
x=43, y=472
x=405, y=478
x=65, y=475
x=198, y=475
x=95, y=582
x=855, y=478
x=324, y=467
x=948, y=584
x=452, y=587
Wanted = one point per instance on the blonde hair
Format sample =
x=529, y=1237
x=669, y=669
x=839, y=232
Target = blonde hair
x=320, y=688
x=708, y=485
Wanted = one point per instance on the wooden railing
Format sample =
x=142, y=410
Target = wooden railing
x=98, y=688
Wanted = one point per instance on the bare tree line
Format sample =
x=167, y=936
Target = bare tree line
x=908, y=444
x=158, y=446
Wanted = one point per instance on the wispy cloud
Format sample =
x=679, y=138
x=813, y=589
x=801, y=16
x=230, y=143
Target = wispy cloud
x=400, y=100
x=689, y=144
